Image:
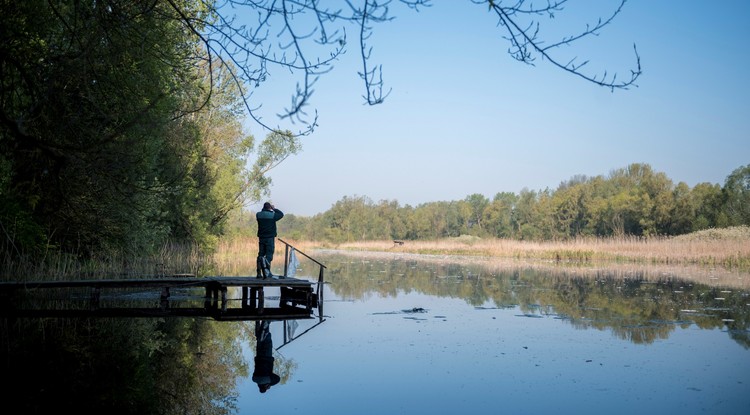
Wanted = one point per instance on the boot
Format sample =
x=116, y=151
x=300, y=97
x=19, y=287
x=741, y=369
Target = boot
x=266, y=268
x=259, y=267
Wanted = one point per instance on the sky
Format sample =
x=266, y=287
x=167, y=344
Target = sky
x=464, y=117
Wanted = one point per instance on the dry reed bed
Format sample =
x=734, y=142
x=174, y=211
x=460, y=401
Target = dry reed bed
x=241, y=247
x=730, y=253
x=715, y=257
x=514, y=256
x=728, y=248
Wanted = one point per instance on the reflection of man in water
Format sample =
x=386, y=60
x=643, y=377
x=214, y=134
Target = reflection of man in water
x=263, y=374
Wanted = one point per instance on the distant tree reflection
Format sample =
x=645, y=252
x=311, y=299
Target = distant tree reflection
x=138, y=366
x=634, y=305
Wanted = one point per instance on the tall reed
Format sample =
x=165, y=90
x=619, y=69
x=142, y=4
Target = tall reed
x=172, y=258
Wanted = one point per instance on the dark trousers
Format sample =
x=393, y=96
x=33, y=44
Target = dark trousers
x=266, y=246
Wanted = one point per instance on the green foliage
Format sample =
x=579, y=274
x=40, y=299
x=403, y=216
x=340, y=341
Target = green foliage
x=116, y=133
x=477, y=203
x=737, y=196
x=20, y=233
x=499, y=216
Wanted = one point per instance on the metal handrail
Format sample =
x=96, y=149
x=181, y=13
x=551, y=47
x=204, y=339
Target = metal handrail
x=307, y=256
x=321, y=279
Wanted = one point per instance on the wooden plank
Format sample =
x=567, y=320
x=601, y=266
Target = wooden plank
x=230, y=314
x=159, y=282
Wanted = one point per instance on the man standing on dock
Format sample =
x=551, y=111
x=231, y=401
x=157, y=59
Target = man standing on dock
x=267, y=219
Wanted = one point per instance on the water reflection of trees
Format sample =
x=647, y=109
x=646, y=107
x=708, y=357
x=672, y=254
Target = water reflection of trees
x=633, y=305
x=166, y=366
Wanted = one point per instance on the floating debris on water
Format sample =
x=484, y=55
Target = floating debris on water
x=415, y=318
x=499, y=307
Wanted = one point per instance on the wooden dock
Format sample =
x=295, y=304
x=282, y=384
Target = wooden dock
x=298, y=298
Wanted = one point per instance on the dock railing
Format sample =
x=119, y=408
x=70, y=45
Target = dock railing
x=287, y=251
x=321, y=270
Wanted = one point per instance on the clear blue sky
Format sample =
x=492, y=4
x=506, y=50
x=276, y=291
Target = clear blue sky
x=463, y=117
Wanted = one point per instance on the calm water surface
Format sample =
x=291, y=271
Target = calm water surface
x=406, y=337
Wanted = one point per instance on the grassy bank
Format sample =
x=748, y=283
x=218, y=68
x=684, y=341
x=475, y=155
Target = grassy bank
x=728, y=248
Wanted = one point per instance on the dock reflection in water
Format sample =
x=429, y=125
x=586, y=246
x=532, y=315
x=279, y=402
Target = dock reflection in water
x=221, y=298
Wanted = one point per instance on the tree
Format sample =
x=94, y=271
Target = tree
x=115, y=132
x=737, y=196
x=88, y=97
x=391, y=222
x=498, y=216
x=643, y=202
x=683, y=212
x=569, y=206
x=707, y=201
x=526, y=215
x=478, y=203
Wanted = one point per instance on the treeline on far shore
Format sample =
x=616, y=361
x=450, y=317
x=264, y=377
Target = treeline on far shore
x=632, y=201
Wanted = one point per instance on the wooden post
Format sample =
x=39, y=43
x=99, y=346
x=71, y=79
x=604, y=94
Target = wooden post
x=286, y=258
x=321, y=288
x=321, y=284
x=207, y=302
x=94, y=302
x=253, y=297
x=165, y=298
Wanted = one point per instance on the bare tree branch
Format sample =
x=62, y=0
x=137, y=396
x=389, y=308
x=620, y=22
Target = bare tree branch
x=306, y=39
x=525, y=41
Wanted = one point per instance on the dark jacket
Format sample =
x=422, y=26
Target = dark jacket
x=267, y=222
